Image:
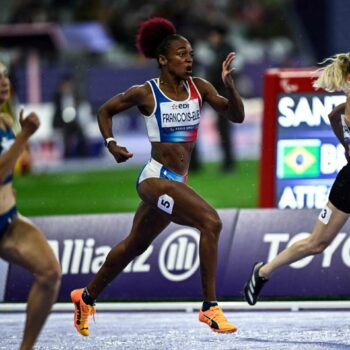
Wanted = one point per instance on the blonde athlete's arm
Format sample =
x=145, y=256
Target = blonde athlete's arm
x=338, y=119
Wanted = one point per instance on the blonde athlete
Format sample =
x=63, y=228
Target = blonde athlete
x=21, y=242
x=171, y=105
x=334, y=77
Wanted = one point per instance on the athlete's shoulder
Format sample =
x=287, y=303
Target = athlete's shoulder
x=201, y=82
x=198, y=81
x=203, y=86
x=139, y=91
x=141, y=88
x=337, y=111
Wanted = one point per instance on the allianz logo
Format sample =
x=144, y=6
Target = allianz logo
x=178, y=257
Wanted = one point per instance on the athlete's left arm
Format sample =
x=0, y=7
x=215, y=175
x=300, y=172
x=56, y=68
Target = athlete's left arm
x=232, y=107
x=347, y=109
x=340, y=130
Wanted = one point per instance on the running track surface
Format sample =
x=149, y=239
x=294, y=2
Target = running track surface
x=275, y=330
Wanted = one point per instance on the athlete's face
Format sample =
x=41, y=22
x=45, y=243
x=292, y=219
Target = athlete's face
x=179, y=58
x=4, y=84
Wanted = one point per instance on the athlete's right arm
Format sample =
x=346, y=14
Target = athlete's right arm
x=8, y=159
x=134, y=96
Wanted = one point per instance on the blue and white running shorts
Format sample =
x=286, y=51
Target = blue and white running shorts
x=160, y=171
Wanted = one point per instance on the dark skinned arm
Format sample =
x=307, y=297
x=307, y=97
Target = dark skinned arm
x=232, y=107
x=134, y=96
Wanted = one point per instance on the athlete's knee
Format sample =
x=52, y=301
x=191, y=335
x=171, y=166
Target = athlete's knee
x=50, y=277
x=317, y=247
x=313, y=246
x=211, y=223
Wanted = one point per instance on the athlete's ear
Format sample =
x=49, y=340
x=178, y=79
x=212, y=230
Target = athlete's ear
x=162, y=60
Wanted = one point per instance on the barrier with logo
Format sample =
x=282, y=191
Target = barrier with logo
x=169, y=269
x=261, y=234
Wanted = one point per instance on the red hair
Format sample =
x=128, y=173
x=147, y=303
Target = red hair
x=151, y=33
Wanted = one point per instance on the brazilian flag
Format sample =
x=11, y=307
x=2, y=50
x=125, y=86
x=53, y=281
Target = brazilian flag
x=298, y=158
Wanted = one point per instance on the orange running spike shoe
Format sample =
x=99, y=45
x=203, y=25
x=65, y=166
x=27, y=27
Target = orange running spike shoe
x=216, y=320
x=82, y=312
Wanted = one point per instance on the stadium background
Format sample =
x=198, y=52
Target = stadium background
x=93, y=41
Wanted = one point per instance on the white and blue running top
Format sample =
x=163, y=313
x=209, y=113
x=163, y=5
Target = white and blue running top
x=174, y=121
x=7, y=138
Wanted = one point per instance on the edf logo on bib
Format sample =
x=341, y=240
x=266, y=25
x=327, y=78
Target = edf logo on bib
x=179, y=255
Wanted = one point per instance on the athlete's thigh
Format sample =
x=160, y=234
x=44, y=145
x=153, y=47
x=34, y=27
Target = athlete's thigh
x=329, y=223
x=148, y=222
x=177, y=200
x=25, y=245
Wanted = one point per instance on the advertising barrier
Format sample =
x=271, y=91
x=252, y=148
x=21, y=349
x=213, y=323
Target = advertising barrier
x=169, y=268
x=261, y=234
x=300, y=155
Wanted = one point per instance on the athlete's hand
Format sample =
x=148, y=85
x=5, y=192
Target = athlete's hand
x=227, y=72
x=120, y=153
x=30, y=124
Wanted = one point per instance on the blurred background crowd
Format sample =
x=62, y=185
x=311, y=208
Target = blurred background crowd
x=69, y=56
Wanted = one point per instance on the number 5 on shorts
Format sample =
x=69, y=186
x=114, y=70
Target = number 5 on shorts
x=166, y=203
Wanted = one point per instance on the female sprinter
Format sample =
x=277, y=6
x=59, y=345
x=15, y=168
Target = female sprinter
x=21, y=242
x=161, y=185
x=334, y=77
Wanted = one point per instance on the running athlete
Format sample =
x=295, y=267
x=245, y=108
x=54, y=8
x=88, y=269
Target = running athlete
x=335, y=76
x=21, y=242
x=171, y=105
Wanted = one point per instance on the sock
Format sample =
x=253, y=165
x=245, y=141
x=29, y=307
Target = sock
x=208, y=304
x=87, y=298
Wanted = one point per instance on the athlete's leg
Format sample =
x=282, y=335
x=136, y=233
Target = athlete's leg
x=188, y=208
x=322, y=235
x=25, y=245
x=148, y=223
x=184, y=206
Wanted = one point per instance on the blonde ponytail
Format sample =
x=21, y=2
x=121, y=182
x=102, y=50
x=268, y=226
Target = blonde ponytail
x=334, y=76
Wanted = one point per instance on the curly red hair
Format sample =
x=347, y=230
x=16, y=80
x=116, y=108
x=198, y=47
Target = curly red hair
x=151, y=33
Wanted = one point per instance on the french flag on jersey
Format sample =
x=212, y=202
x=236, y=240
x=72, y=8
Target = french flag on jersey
x=174, y=121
